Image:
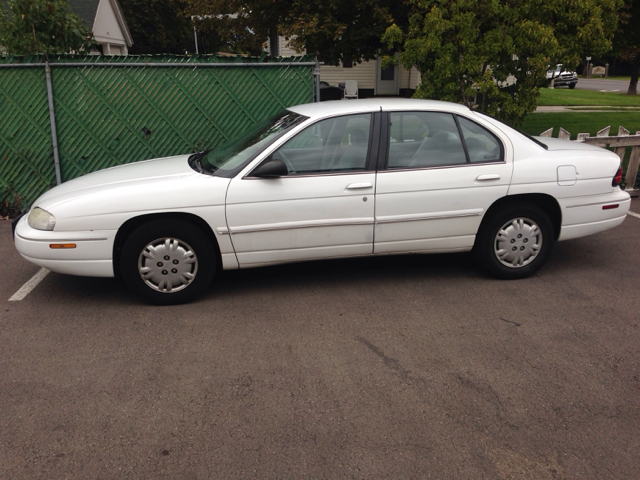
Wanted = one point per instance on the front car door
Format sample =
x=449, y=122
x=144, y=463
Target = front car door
x=323, y=207
x=441, y=173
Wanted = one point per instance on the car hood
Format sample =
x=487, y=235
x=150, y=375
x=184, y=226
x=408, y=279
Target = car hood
x=105, y=199
x=145, y=171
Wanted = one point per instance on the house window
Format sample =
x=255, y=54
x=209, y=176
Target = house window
x=388, y=73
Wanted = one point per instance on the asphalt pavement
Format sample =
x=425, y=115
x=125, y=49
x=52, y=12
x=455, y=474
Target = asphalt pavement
x=393, y=367
x=602, y=84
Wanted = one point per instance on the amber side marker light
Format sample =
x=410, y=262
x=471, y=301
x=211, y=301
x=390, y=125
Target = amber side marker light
x=62, y=245
x=610, y=207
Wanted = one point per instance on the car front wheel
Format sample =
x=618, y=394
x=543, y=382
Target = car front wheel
x=515, y=241
x=168, y=262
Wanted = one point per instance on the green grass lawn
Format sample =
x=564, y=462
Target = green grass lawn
x=581, y=122
x=565, y=96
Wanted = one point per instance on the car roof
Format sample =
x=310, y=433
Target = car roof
x=343, y=107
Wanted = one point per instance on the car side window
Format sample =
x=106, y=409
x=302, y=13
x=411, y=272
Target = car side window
x=338, y=144
x=482, y=145
x=424, y=139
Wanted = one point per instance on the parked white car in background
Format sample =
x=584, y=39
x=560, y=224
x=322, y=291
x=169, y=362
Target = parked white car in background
x=326, y=180
x=562, y=77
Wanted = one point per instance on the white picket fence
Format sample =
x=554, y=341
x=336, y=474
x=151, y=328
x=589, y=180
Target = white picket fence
x=618, y=143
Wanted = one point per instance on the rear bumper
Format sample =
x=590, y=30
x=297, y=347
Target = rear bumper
x=583, y=216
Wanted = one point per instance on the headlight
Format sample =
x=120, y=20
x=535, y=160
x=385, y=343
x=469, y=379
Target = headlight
x=41, y=219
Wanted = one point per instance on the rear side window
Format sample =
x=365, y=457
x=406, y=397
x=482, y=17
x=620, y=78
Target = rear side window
x=482, y=145
x=437, y=139
x=424, y=139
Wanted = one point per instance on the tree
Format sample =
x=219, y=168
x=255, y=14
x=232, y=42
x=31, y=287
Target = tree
x=345, y=31
x=42, y=27
x=493, y=55
x=158, y=26
x=627, y=41
x=238, y=26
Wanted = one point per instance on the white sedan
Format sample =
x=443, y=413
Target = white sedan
x=327, y=180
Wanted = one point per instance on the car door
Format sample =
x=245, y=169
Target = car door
x=323, y=207
x=441, y=173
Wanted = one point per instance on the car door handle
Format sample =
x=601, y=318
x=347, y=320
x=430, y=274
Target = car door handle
x=356, y=186
x=490, y=176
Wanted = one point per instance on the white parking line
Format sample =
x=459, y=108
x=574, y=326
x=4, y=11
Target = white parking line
x=633, y=214
x=30, y=285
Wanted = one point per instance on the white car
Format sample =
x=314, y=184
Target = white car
x=562, y=77
x=327, y=180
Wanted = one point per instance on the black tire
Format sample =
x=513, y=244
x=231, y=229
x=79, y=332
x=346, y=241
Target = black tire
x=572, y=86
x=495, y=251
x=183, y=268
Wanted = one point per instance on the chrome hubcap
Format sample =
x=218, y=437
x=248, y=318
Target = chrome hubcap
x=518, y=242
x=168, y=265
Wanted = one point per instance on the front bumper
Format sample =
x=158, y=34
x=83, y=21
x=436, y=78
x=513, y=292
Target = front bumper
x=14, y=222
x=92, y=256
x=560, y=82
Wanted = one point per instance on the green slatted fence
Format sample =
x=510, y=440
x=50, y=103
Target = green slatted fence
x=115, y=110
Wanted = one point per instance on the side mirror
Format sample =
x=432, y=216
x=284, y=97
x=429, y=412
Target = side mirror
x=271, y=168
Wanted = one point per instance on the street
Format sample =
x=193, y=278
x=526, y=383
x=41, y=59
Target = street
x=392, y=367
x=601, y=84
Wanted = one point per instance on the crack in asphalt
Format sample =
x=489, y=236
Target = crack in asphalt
x=404, y=373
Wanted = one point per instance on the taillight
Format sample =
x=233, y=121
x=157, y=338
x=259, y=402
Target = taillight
x=617, y=179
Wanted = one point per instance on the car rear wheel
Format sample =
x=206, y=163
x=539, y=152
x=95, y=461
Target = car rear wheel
x=168, y=262
x=515, y=241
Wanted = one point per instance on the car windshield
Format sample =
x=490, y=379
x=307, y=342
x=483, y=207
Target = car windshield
x=232, y=155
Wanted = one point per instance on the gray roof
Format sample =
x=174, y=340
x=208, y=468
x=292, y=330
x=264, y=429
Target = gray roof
x=85, y=9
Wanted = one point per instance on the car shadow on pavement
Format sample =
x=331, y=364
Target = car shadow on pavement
x=454, y=269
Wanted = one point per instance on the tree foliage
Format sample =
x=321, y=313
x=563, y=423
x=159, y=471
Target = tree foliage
x=237, y=26
x=345, y=31
x=493, y=55
x=158, y=26
x=42, y=26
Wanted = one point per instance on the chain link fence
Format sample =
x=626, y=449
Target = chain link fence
x=115, y=110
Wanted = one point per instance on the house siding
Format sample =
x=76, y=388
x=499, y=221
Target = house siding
x=364, y=73
x=106, y=28
x=409, y=78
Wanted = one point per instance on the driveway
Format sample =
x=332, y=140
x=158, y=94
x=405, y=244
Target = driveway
x=393, y=367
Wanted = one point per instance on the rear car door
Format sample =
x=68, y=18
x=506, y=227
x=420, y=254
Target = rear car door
x=441, y=173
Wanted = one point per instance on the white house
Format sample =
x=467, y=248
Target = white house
x=105, y=19
x=371, y=77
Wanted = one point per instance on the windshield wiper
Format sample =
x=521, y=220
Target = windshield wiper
x=195, y=162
